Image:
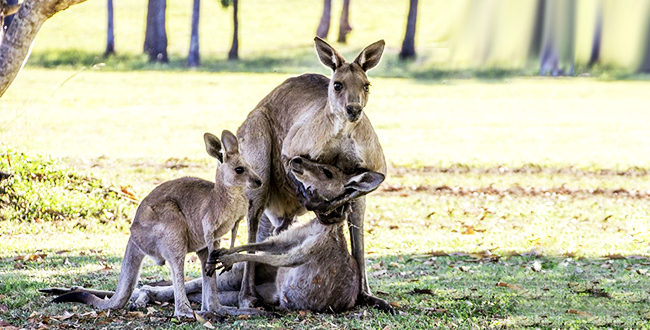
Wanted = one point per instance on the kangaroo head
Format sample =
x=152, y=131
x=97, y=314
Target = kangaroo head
x=234, y=169
x=329, y=181
x=349, y=87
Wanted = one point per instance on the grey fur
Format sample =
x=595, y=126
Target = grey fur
x=307, y=116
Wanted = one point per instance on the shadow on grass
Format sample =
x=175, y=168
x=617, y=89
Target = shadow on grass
x=299, y=60
x=458, y=290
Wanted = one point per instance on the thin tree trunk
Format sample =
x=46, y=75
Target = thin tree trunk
x=645, y=62
x=408, y=46
x=558, y=45
x=233, y=54
x=110, y=34
x=155, y=41
x=598, y=32
x=17, y=42
x=324, y=25
x=535, y=47
x=344, y=24
x=194, y=58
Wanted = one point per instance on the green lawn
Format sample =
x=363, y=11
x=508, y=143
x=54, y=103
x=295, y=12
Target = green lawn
x=519, y=202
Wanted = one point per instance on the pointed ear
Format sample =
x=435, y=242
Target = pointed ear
x=213, y=146
x=370, y=56
x=365, y=182
x=230, y=143
x=328, y=55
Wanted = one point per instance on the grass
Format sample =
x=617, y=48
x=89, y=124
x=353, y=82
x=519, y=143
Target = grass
x=511, y=202
x=462, y=181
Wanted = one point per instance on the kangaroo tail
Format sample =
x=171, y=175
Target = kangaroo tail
x=128, y=279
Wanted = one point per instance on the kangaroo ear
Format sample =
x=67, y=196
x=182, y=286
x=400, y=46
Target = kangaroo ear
x=370, y=56
x=365, y=182
x=328, y=55
x=230, y=143
x=213, y=146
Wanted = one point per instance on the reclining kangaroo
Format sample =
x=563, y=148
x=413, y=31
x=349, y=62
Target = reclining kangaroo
x=323, y=120
x=181, y=216
x=316, y=270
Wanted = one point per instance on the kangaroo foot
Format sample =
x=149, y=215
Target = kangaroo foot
x=365, y=299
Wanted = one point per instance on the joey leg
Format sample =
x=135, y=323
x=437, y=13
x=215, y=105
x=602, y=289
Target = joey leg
x=355, y=223
x=248, y=294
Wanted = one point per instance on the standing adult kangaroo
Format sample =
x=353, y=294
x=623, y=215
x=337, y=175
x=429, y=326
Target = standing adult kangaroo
x=320, y=119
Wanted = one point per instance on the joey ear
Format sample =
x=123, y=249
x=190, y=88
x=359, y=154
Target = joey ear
x=328, y=55
x=365, y=182
x=213, y=146
x=370, y=56
x=230, y=143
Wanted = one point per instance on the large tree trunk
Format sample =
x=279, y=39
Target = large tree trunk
x=344, y=25
x=194, y=58
x=7, y=10
x=233, y=54
x=17, y=42
x=324, y=25
x=408, y=46
x=110, y=33
x=155, y=41
x=558, y=44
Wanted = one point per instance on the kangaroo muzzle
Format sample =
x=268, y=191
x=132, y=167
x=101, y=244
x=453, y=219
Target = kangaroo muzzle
x=353, y=111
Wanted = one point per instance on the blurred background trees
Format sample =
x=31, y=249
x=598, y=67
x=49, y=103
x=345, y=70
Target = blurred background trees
x=546, y=37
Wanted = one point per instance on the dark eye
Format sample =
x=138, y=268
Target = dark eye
x=327, y=173
x=338, y=86
x=239, y=170
x=366, y=88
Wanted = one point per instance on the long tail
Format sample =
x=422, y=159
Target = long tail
x=128, y=279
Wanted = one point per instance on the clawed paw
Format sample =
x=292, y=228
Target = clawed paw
x=218, y=260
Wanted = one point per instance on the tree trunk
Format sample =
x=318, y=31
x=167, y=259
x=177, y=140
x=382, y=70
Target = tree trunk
x=110, y=34
x=7, y=10
x=233, y=54
x=558, y=45
x=535, y=46
x=194, y=58
x=155, y=41
x=408, y=46
x=645, y=62
x=594, y=57
x=324, y=25
x=17, y=43
x=344, y=25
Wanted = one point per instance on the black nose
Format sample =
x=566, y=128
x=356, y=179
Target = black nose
x=258, y=182
x=353, y=111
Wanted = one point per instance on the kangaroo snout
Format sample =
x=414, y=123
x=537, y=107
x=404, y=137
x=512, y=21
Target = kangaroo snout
x=353, y=111
x=254, y=183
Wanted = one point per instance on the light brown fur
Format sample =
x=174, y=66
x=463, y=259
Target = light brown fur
x=181, y=216
x=311, y=116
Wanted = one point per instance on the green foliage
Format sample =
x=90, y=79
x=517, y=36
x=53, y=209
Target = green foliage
x=41, y=188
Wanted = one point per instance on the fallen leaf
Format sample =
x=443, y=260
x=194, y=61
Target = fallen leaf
x=395, y=265
x=439, y=254
x=243, y=317
x=200, y=318
x=66, y=315
x=378, y=273
x=396, y=305
x=537, y=266
x=208, y=325
x=464, y=268
x=510, y=286
x=4, y=308
x=136, y=314
x=303, y=313
x=62, y=251
x=578, y=312
x=376, y=266
x=128, y=194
